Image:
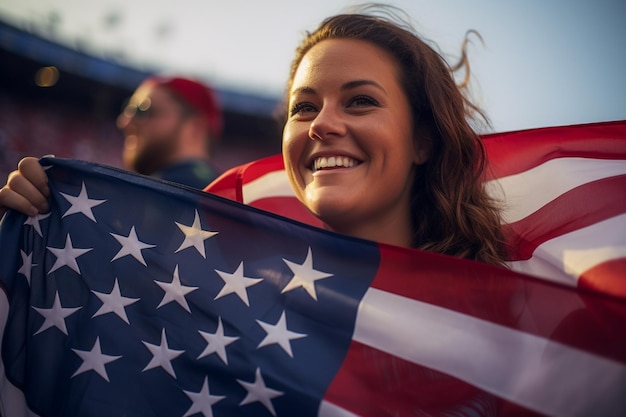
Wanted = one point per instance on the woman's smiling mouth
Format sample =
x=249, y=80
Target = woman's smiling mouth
x=328, y=162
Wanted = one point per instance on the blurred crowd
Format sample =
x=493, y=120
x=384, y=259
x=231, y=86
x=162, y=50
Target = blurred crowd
x=36, y=128
x=31, y=128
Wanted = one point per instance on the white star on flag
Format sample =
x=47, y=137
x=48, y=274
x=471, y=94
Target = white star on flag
x=217, y=342
x=34, y=221
x=94, y=360
x=67, y=256
x=27, y=265
x=279, y=334
x=203, y=401
x=81, y=204
x=131, y=245
x=194, y=236
x=162, y=355
x=114, y=302
x=258, y=391
x=55, y=315
x=175, y=291
x=304, y=275
x=236, y=283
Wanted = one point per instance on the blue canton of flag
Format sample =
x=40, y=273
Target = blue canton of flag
x=134, y=297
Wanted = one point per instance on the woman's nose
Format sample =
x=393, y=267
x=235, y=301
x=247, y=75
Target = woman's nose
x=327, y=124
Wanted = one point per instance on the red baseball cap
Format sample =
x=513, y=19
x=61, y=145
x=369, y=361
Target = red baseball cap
x=200, y=96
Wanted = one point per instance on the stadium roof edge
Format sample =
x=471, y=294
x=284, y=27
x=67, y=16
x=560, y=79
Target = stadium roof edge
x=48, y=52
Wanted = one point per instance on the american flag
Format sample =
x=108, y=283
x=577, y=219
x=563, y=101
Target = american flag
x=135, y=297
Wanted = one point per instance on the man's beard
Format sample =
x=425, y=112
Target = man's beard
x=153, y=157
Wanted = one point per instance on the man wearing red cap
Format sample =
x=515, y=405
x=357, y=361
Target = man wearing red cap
x=170, y=127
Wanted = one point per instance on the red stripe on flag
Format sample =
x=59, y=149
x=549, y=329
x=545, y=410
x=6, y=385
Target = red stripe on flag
x=514, y=152
x=504, y=297
x=229, y=184
x=262, y=166
x=578, y=208
x=372, y=383
x=608, y=277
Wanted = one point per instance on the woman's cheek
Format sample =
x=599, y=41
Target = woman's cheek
x=294, y=142
x=292, y=149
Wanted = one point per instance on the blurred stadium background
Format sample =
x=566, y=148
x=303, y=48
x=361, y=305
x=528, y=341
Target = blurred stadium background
x=57, y=99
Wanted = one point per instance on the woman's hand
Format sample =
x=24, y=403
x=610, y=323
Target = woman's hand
x=26, y=189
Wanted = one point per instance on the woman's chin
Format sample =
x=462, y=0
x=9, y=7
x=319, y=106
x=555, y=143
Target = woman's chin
x=334, y=216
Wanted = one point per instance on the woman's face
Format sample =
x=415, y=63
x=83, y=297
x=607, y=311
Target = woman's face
x=348, y=142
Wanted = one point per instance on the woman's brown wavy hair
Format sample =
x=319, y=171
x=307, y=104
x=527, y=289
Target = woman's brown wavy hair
x=451, y=211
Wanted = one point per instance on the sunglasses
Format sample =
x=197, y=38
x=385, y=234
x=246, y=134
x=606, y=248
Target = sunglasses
x=142, y=109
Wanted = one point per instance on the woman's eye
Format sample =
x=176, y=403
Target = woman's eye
x=299, y=108
x=363, y=101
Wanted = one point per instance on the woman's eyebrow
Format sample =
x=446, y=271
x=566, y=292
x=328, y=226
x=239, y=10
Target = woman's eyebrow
x=302, y=90
x=346, y=86
x=358, y=83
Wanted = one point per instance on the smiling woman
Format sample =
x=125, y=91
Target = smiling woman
x=377, y=141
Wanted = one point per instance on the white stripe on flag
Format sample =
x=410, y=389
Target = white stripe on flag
x=273, y=184
x=565, y=258
x=525, y=369
x=526, y=192
x=331, y=410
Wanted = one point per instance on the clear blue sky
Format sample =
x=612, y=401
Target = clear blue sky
x=543, y=63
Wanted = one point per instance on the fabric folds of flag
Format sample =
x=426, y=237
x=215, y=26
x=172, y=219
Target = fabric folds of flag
x=561, y=190
x=134, y=297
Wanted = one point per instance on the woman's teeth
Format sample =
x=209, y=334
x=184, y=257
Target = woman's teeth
x=333, y=162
